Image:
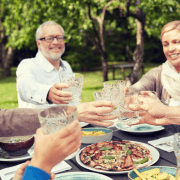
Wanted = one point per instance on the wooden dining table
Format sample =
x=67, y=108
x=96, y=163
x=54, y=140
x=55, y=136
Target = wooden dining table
x=165, y=159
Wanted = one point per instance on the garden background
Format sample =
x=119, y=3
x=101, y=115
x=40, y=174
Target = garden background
x=98, y=33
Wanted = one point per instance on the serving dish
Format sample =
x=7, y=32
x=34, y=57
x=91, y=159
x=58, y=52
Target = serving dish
x=140, y=128
x=81, y=176
x=17, y=145
x=98, y=138
x=169, y=170
x=154, y=154
x=7, y=158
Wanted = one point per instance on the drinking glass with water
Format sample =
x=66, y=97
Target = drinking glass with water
x=127, y=116
x=57, y=117
x=176, y=145
x=75, y=82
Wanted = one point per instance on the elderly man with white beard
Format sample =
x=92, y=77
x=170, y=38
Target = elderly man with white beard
x=39, y=83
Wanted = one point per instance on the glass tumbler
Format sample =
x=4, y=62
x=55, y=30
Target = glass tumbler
x=114, y=85
x=109, y=95
x=127, y=116
x=75, y=82
x=176, y=145
x=57, y=117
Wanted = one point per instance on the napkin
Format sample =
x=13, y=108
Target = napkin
x=165, y=143
x=8, y=173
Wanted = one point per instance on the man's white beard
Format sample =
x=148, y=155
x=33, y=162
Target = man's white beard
x=51, y=56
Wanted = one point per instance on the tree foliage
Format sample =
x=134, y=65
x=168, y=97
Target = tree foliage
x=91, y=37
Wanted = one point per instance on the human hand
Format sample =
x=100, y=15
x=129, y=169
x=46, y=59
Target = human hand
x=152, y=111
x=149, y=94
x=20, y=172
x=91, y=112
x=51, y=149
x=57, y=96
x=126, y=89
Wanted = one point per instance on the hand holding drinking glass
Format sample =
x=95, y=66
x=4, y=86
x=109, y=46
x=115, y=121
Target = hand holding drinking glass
x=109, y=95
x=57, y=117
x=75, y=82
x=127, y=116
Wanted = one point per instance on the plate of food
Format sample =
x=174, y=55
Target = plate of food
x=81, y=176
x=4, y=156
x=117, y=157
x=156, y=172
x=16, y=148
x=139, y=129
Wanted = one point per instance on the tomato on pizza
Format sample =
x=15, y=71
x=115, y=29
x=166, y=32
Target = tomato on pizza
x=115, y=156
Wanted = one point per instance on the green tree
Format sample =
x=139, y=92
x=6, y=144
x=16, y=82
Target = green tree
x=104, y=19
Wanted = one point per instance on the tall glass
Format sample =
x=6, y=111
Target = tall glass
x=57, y=117
x=109, y=95
x=127, y=116
x=176, y=145
x=75, y=82
x=116, y=85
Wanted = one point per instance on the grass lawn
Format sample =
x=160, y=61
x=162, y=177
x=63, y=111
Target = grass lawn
x=92, y=81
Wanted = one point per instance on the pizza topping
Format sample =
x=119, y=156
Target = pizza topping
x=109, y=157
x=128, y=162
x=117, y=148
x=128, y=152
x=137, y=153
x=92, y=151
x=105, y=148
x=142, y=161
x=98, y=154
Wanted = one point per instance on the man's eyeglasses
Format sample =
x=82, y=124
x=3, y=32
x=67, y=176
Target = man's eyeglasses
x=50, y=39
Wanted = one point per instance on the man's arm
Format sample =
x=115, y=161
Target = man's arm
x=18, y=122
x=32, y=91
x=29, y=89
x=96, y=112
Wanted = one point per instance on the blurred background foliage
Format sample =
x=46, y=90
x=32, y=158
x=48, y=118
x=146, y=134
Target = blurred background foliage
x=19, y=20
x=81, y=20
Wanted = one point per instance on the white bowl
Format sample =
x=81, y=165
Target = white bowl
x=98, y=138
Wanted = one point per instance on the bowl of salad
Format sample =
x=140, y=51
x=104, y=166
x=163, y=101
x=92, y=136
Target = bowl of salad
x=17, y=145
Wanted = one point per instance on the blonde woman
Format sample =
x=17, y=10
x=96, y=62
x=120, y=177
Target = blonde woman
x=165, y=79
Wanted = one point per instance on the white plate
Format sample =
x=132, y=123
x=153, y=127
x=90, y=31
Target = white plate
x=28, y=156
x=19, y=158
x=81, y=176
x=82, y=124
x=140, y=128
x=72, y=155
x=154, y=154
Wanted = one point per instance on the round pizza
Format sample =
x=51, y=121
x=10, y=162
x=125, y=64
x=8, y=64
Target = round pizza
x=116, y=156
